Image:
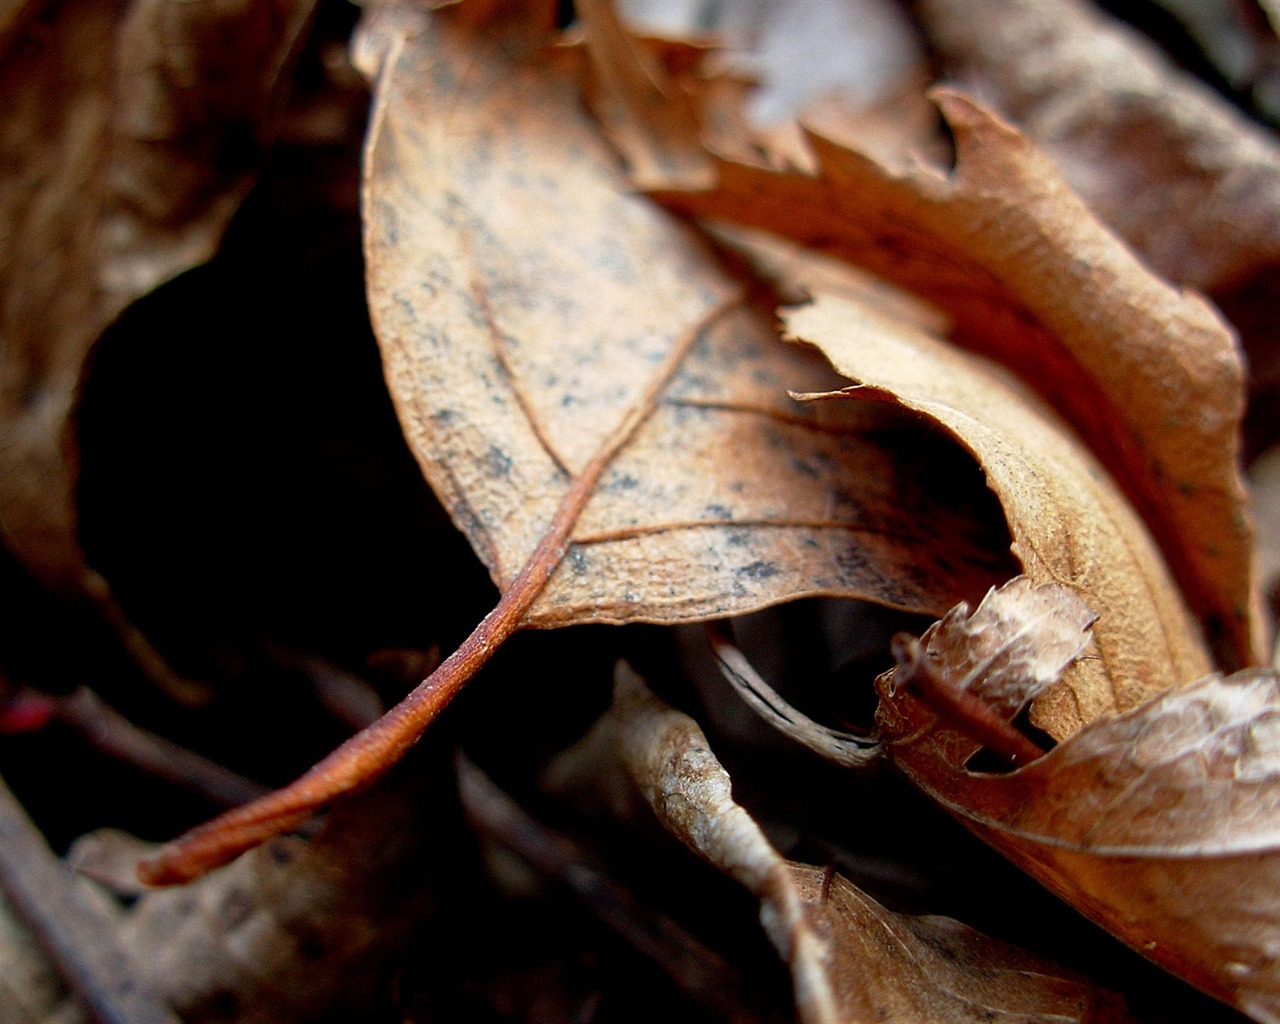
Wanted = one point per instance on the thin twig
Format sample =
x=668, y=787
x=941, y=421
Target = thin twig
x=74, y=933
x=706, y=977
x=350, y=699
x=111, y=733
x=186, y=692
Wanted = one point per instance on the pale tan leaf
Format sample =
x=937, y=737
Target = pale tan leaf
x=851, y=959
x=512, y=280
x=1069, y=522
x=1162, y=824
x=1148, y=375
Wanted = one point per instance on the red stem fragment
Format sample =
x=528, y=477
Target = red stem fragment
x=962, y=709
x=372, y=751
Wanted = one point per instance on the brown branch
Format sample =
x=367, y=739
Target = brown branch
x=108, y=731
x=74, y=933
x=369, y=753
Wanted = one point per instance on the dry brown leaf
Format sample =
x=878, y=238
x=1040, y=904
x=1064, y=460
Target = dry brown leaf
x=1070, y=524
x=130, y=133
x=851, y=959
x=1137, y=138
x=1162, y=824
x=512, y=282
x=977, y=670
x=297, y=931
x=1011, y=648
x=982, y=668
x=1149, y=375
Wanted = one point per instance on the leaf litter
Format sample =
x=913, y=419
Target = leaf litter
x=597, y=394
x=546, y=454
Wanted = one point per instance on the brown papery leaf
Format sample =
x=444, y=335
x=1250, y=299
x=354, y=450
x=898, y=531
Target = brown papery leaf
x=1148, y=375
x=1070, y=523
x=583, y=386
x=1162, y=824
x=1137, y=138
x=299, y=930
x=981, y=669
x=1013, y=646
x=851, y=959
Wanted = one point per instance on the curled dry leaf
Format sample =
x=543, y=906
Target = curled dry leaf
x=1011, y=648
x=1137, y=138
x=1162, y=823
x=1148, y=375
x=1069, y=522
x=851, y=959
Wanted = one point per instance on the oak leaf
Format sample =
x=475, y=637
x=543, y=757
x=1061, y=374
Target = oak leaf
x=1148, y=375
x=851, y=959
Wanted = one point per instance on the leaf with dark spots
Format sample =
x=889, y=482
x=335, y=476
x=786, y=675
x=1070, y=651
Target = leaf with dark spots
x=1069, y=521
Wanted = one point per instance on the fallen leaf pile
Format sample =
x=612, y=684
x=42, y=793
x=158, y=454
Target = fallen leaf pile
x=878, y=379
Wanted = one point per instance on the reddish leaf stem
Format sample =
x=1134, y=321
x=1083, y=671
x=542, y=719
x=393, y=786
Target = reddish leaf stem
x=963, y=710
x=369, y=753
